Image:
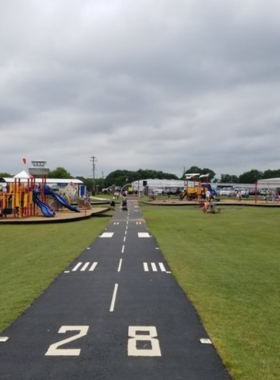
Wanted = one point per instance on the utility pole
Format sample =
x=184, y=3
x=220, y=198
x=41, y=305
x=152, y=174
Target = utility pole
x=93, y=159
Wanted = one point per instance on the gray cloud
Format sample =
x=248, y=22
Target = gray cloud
x=184, y=83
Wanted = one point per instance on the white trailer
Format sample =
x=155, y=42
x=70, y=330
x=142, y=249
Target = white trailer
x=165, y=186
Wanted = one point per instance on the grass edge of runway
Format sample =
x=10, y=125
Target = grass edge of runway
x=228, y=265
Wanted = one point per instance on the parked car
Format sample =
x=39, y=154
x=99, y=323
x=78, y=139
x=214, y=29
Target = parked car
x=226, y=192
x=264, y=192
x=108, y=190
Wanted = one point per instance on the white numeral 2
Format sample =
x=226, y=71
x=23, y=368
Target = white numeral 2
x=145, y=336
x=54, y=349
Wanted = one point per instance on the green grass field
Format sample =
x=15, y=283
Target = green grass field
x=228, y=264
x=31, y=256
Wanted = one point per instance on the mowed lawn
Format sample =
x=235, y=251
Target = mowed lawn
x=32, y=256
x=229, y=266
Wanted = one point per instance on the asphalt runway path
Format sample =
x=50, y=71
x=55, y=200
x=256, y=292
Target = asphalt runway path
x=116, y=313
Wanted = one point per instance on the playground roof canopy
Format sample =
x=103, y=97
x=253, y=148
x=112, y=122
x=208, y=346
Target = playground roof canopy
x=49, y=181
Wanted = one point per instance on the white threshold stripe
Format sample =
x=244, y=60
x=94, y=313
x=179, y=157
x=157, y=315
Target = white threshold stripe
x=3, y=339
x=85, y=267
x=154, y=267
x=162, y=267
x=107, y=235
x=143, y=235
x=112, y=306
x=76, y=267
x=205, y=341
x=91, y=269
x=120, y=265
x=145, y=265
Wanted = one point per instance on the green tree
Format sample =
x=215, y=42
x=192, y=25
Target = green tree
x=122, y=177
x=5, y=175
x=250, y=177
x=117, y=177
x=153, y=174
x=59, y=173
x=271, y=174
x=229, y=178
x=196, y=169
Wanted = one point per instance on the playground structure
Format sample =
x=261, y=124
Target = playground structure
x=195, y=189
x=17, y=200
x=25, y=198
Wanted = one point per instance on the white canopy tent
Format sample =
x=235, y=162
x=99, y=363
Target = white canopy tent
x=23, y=175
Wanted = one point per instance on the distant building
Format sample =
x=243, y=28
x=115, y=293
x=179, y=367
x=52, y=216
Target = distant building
x=158, y=185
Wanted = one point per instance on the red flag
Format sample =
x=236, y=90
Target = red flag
x=24, y=160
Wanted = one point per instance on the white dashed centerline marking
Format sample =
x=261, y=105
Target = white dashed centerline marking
x=120, y=265
x=112, y=306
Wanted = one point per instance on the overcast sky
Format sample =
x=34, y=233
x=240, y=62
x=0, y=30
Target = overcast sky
x=162, y=85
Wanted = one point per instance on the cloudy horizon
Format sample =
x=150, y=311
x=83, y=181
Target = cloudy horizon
x=158, y=86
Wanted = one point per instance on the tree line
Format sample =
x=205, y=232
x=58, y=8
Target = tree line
x=247, y=177
x=123, y=177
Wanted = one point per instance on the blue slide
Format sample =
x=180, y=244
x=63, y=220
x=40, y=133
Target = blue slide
x=46, y=210
x=60, y=199
x=210, y=188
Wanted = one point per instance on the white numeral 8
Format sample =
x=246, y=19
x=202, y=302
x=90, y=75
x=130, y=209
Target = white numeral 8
x=143, y=334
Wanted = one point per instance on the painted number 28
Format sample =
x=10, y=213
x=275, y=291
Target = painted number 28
x=142, y=341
